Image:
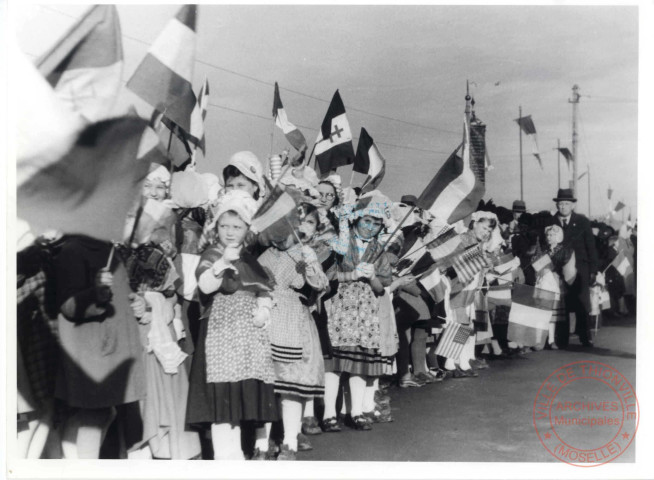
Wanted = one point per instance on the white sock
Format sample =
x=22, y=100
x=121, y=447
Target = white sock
x=512, y=344
x=261, y=436
x=550, y=336
x=369, y=396
x=226, y=440
x=449, y=364
x=84, y=435
x=497, y=350
x=292, y=418
x=237, y=452
x=308, y=409
x=143, y=453
x=331, y=394
x=357, y=391
x=467, y=353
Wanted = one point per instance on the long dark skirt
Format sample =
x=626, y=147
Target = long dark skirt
x=226, y=402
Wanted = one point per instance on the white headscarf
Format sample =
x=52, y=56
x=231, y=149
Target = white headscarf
x=237, y=201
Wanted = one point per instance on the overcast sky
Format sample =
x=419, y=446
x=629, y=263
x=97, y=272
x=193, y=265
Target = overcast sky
x=410, y=64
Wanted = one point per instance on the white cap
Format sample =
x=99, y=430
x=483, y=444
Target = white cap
x=240, y=202
x=250, y=167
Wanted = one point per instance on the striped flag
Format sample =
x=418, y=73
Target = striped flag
x=198, y=116
x=416, y=260
x=180, y=148
x=333, y=147
x=505, y=263
x=444, y=245
x=452, y=340
x=499, y=295
x=369, y=161
x=85, y=65
x=544, y=261
x=567, y=154
x=277, y=216
x=622, y=264
x=531, y=311
x=433, y=282
x=164, y=77
x=469, y=263
x=455, y=191
x=527, y=125
x=293, y=134
x=465, y=297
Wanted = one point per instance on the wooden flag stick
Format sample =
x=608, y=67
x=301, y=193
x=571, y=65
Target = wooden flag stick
x=311, y=155
x=352, y=176
x=111, y=256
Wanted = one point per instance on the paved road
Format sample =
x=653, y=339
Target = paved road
x=484, y=419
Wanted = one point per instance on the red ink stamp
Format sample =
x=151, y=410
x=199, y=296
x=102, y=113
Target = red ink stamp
x=586, y=413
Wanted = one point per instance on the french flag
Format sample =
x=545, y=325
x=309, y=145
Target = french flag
x=369, y=161
x=531, y=311
x=164, y=77
x=455, y=191
x=198, y=116
x=292, y=133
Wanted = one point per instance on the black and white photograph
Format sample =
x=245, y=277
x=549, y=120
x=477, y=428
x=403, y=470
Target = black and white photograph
x=373, y=240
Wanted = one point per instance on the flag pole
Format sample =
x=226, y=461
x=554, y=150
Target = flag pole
x=111, y=256
x=352, y=176
x=520, y=133
x=311, y=155
x=272, y=136
x=558, y=161
x=588, y=169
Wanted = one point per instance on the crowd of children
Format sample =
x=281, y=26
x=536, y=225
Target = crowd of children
x=198, y=337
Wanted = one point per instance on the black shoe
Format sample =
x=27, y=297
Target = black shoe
x=360, y=422
x=303, y=443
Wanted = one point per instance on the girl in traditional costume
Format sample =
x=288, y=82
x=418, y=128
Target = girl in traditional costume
x=232, y=376
x=152, y=277
x=363, y=270
x=297, y=355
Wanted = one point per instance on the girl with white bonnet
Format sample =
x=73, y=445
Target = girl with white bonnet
x=461, y=305
x=363, y=271
x=555, y=275
x=296, y=350
x=152, y=276
x=243, y=172
x=232, y=376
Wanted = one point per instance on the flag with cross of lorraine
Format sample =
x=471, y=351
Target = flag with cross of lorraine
x=334, y=147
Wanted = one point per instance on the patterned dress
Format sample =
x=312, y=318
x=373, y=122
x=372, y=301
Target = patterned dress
x=353, y=322
x=297, y=355
x=232, y=376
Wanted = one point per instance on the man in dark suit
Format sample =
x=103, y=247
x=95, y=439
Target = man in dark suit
x=579, y=236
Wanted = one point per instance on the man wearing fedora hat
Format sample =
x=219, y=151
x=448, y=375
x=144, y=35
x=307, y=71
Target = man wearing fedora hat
x=579, y=236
